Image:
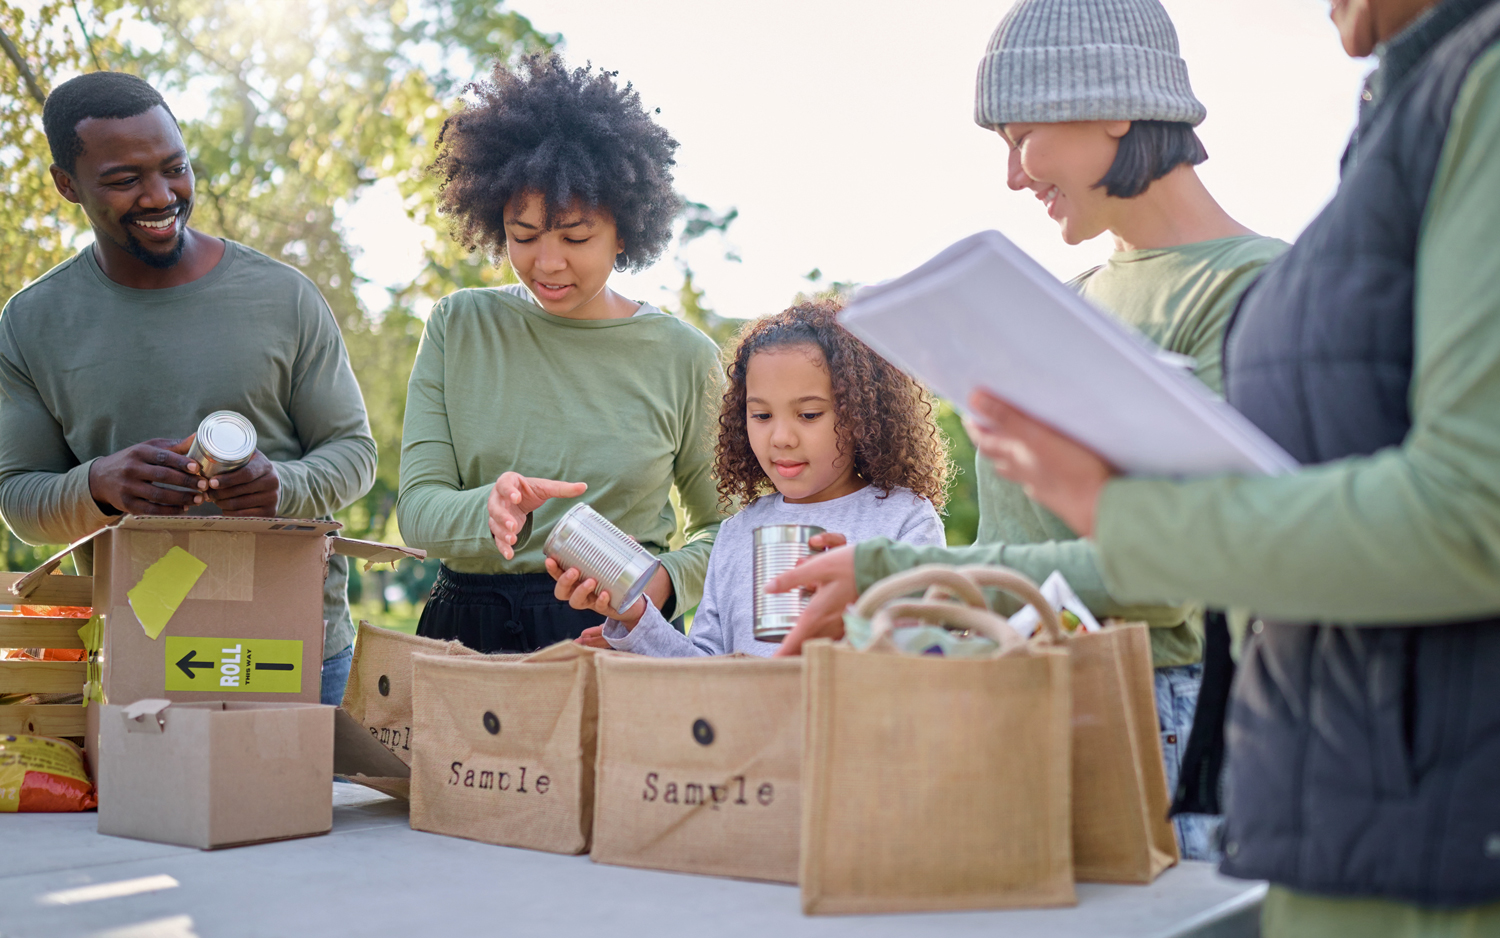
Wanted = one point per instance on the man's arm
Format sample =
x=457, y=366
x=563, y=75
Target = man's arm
x=44, y=490
x=328, y=413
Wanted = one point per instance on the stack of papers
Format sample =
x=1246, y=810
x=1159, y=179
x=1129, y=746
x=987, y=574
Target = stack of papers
x=983, y=314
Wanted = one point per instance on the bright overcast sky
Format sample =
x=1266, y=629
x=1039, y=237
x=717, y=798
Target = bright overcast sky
x=844, y=133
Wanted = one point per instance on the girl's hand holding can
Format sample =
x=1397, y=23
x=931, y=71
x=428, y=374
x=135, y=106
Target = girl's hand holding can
x=515, y=496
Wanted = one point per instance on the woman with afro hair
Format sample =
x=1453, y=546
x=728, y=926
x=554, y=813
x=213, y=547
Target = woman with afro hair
x=525, y=398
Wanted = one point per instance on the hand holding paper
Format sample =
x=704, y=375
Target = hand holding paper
x=984, y=315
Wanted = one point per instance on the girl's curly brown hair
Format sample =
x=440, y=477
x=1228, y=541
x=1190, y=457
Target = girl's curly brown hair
x=884, y=417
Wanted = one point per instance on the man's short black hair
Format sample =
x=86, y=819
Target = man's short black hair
x=572, y=135
x=1148, y=151
x=94, y=95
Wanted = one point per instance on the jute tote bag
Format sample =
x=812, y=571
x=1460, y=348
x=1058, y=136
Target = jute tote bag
x=934, y=783
x=505, y=749
x=1121, y=833
x=700, y=765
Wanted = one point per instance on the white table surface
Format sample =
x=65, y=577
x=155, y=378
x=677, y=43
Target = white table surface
x=373, y=876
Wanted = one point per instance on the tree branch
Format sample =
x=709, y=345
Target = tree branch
x=87, y=39
x=14, y=54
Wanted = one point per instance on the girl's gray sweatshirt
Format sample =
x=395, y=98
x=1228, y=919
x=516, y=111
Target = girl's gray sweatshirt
x=724, y=623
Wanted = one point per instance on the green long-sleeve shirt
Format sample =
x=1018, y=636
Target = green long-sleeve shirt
x=626, y=405
x=1408, y=534
x=89, y=367
x=1181, y=298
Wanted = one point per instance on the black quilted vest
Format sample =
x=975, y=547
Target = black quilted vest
x=1364, y=761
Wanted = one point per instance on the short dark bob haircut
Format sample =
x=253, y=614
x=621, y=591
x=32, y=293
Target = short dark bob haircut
x=1148, y=151
x=572, y=135
x=104, y=95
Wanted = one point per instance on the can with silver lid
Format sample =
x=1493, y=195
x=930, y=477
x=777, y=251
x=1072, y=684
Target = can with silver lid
x=585, y=540
x=225, y=442
x=778, y=548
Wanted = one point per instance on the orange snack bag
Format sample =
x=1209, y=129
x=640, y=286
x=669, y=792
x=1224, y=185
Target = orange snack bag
x=69, y=612
x=39, y=773
x=65, y=612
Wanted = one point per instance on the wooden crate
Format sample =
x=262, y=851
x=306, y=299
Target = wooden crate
x=44, y=719
x=56, y=590
x=44, y=677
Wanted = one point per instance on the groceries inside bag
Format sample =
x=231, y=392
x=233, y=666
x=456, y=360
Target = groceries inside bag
x=935, y=782
x=700, y=765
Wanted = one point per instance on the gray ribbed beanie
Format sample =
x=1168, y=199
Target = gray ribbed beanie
x=1079, y=60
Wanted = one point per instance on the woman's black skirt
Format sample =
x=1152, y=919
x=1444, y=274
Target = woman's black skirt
x=501, y=612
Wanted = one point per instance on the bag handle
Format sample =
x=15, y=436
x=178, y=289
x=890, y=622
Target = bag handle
x=950, y=615
x=898, y=585
x=1022, y=587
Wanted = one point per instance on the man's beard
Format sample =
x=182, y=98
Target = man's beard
x=150, y=258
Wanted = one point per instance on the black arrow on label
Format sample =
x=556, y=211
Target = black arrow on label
x=187, y=664
x=275, y=667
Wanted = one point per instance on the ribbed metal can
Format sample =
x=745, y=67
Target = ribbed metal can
x=585, y=539
x=225, y=442
x=778, y=548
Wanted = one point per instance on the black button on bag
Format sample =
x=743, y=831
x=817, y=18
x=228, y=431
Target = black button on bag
x=385, y=686
x=702, y=732
x=491, y=723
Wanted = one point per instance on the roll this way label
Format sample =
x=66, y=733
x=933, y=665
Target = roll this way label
x=254, y=665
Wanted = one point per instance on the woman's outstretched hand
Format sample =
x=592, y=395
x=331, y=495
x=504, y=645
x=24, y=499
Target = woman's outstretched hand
x=515, y=496
x=1054, y=469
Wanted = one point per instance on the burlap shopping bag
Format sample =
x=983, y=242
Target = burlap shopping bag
x=700, y=765
x=1121, y=833
x=936, y=783
x=505, y=748
x=378, y=694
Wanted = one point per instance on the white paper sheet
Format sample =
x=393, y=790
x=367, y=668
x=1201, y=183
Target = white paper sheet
x=984, y=314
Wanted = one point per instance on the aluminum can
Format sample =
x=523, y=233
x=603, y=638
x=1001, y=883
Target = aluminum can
x=225, y=442
x=778, y=548
x=585, y=539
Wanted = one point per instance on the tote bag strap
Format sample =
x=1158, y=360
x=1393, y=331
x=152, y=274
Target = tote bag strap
x=949, y=615
x=930, y=575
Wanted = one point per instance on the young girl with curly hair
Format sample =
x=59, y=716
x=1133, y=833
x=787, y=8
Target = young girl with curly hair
x=526, y=397
x=815, y=428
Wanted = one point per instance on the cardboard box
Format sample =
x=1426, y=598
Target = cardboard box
x=216, y=774
x=201, y=608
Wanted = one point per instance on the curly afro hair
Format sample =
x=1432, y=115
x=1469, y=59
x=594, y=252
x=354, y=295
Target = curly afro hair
x=571, y=135
x=885, y=418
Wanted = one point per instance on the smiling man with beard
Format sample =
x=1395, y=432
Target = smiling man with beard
x=109, y=360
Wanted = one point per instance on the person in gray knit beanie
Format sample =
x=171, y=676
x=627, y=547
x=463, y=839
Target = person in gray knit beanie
x=1094, y=101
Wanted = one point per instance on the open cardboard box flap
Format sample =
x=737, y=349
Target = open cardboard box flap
x=360, y=758
x=369, y=551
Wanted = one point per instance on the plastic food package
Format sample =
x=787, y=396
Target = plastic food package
x=50, y=654
x=38, y=773
x=64, y=612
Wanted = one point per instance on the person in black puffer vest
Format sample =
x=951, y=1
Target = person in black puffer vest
x=1364, y=726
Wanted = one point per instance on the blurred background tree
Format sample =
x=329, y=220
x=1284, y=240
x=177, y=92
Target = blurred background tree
x=291, y=111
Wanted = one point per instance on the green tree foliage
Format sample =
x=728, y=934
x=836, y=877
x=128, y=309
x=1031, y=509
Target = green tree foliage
x=37, y=228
